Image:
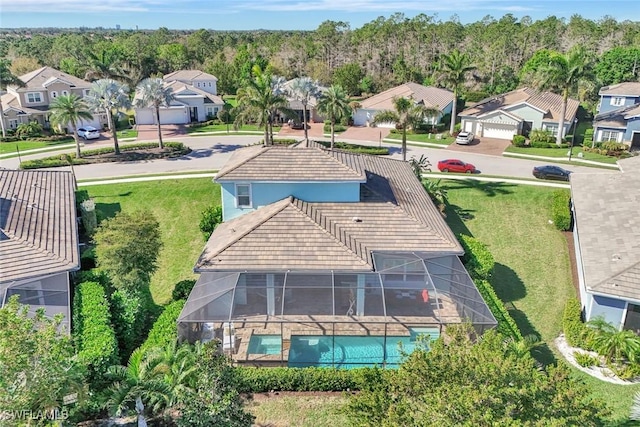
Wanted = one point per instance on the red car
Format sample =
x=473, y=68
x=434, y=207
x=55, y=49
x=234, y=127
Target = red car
x=455, y=165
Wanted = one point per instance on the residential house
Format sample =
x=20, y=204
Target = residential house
x=607, y=243
x=517, y=113
x=297, y=107
x=429, y=96
x=195, y=99
x=326, y=258
x=618, y=117
x=42, y=86
x=38, y=239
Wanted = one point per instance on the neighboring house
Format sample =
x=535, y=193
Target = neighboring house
x=297, y=107
x=429, y=96
x=517, y=113
x=38, y=239
x=42, y=86
x=326, y=258
x=607, y=243
x=618, y=117
x=195, y=99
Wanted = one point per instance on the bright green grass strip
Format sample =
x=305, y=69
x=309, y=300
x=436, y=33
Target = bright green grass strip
x=422, y=137
x=223, y=128
x=177, y=205
x=128, y=133
x=561, y=153
x=12, y=147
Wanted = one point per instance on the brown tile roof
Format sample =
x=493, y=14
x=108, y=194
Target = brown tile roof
x=548, y=102
x=188, y=75
x=394, y=214
x=9, y=100
x=608, y=226
x=278, y=163
x=179, y=87
x=38, y=78
x=618, y=117
x=625, y=88
x=431, y=97
x=38, y=228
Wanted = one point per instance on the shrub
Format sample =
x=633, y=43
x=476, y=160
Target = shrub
x=182, y=289
x=539, y=135
x=209, y=220
x=93, y=334
x=336, y=128
x=575, y=331
x=284, y=141
x=132, y=310
x=165, y=329
x=588, y=137
x=519, y=140
x=475, y=96
x=585, y=359
x=561, y=210
x=355, y=148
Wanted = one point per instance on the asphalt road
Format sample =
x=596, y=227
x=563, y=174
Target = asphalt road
x=212, y=152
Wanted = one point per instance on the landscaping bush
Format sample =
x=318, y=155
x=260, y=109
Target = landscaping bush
x=284, y=141
x=182, y=289
x=588, y=138
x=561, y=210
x=165, y=329
x=9, y=139
x=476, y=96
x=354, y=148
x=585, y=359
x=541, y=136
x=519, y=140
x=209, y=220
x=132, y=310
x=262, y=380
x=575, y=331
x=336, y=128
x=93, y=335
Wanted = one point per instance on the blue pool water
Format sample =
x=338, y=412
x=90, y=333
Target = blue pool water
x=353, y=351
x=265, y=344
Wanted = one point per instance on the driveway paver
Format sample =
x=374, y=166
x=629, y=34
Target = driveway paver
x=150, y=132
x=490, y=146
x=365, y=133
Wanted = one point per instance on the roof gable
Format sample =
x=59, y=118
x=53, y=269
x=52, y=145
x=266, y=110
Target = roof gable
x=46, y=75
x=189, y=75
x=621, y=89
x=501, y=116
x=430, y=96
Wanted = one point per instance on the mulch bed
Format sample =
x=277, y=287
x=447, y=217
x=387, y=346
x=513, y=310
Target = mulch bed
x=568, y=235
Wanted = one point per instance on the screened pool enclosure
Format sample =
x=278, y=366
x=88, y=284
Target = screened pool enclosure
x=333, y=318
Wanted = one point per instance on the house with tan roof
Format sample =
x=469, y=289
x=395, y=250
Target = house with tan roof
x=618, y=118
x=195, y=99
x=42, y=86
x=38, y=239
x=607, y=243
x=429, y=96
x=296, y=105
x=517, y=113
x=326, y=258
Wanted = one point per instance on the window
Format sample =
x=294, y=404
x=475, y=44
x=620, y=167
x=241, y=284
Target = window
x=243, y=195
x=552, y=129
x=609, y=135
x=34, y=97
x=13, y=123
x=65, y=93
x=54, y=94
x=209, y=84
x=86, y=92
x=617, y=101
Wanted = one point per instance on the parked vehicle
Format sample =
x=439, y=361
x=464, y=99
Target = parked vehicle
x=551, y=172
x=464, y=138
x=88, y=132
x=455, y=165
x=298, y=125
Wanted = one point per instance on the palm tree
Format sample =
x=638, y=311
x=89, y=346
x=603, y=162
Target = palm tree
x=334, y=106
x=151, y=93
x=564, y=73
x=407, y=114
x=453, y=73
x=69, y=110
x=177, y=366
x=260, y=100
x=303, y=89
x=138, y=386
x=107, y=96
x=6, y=79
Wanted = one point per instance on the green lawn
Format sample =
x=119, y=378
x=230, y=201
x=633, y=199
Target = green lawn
x=299, y=411
x=561, y=153
x=177, y=205
x=13, y=147
x=422, y=137
x=223, y=128
x=128, y=133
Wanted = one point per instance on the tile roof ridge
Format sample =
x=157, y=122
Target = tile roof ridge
x=28, y=244
x=244, y=161
x=617, y=274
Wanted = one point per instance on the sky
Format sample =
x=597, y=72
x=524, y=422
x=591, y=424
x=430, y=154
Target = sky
x=285, y=14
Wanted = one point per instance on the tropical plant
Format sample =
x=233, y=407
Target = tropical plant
x=69, y=110
x=420, y=165
x=25, y=130
x=152, y=93
x=615, y=345
x=260, y=100
x=437, y=192
x=177, y=366
x=304, y=89
x=108, y=96
x=407, y=114
x=6, y=79
x=334, y=106
x=566, y=74
x=519, y=348
x=454, y=68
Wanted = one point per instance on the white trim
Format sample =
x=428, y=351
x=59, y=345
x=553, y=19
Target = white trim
x=26, y=96
x=238, y=205
x=624, y=315
x=617, y=101
x=508, y=107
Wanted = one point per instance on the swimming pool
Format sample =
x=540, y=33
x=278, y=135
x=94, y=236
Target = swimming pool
x=264, y=344
x=352, y=351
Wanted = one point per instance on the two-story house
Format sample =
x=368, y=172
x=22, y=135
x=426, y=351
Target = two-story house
x=41, y=87
x=517, y=113
x=195, y=96
x=618, y=117
x=326, y=258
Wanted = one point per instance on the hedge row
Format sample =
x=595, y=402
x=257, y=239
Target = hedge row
x=355, y=148
x=479, y=263
x=576, y=332
x=561, y=210
x=93, y=335
x=131, y=309
x=261, y=380
x=58, y=161
x=164, y=330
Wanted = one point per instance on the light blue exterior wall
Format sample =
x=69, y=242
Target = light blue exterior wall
x=263, y=194
x=633, y=125
x=605, y=102
x=611, y=309
x=528, y=114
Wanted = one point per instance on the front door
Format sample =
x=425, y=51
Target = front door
x=635, y=142
x=632, y=321
x=526, y=129
x=194, y=113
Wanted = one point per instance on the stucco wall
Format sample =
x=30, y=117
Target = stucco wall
x=611, y=309
x=605, y=102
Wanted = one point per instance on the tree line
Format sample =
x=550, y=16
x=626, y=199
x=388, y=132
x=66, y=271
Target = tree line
x=380, y=54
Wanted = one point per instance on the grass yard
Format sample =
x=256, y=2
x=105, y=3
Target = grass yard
x=177, y=205
x=223, y=128
x=422, y=137
x=128, y=133
x=13, y=147
x=561, y=153
x=299, y=411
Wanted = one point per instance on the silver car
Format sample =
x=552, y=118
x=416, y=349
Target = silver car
x=88, y=132
x=464, y=138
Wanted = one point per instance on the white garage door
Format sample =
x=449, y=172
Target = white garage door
x=492, y=130
x=173, y=117
x=144, y=117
